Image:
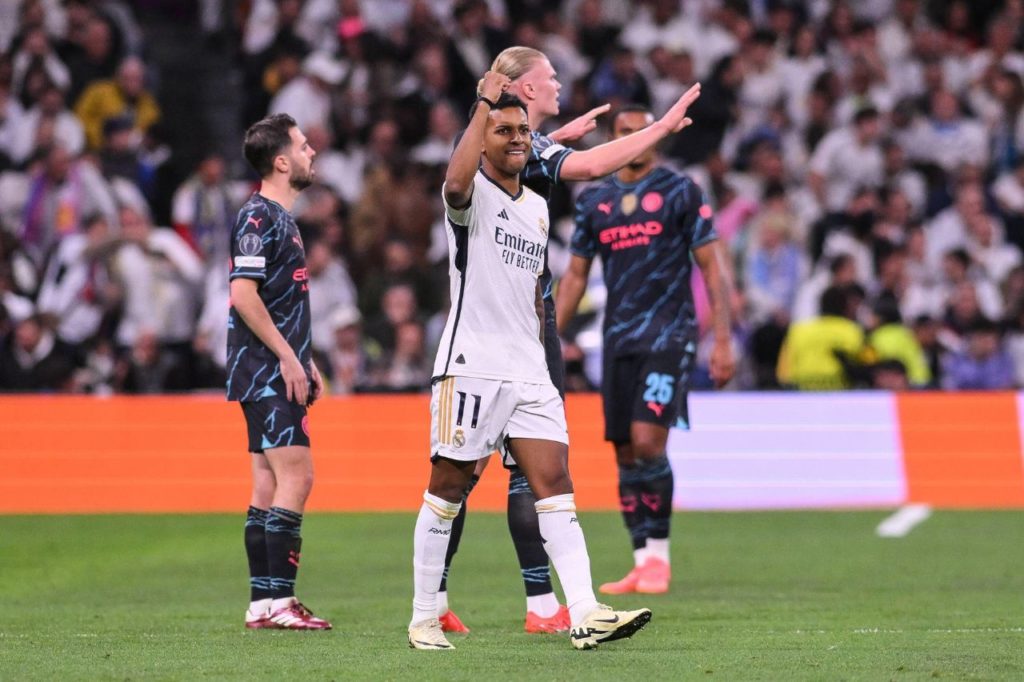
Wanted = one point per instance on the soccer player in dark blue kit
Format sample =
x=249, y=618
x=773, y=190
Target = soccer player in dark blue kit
x=271, y=371
x=645, y=222
x=535, y=82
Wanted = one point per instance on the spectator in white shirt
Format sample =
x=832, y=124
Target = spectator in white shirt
x=895, y=34
x=36, y=51
x=161, y=278
x=799, y=71
x=906, y=180
x=948, y=230
x=347, y=359
x=330, y=289
x=204, y=207
x=762, y=83
x=988, y=249
x=11, y=115
x=673, y=74
x=998, y=51
x=1008, y=191
x=865, y=88
x=48, y=122
x=75, y=288
x=443, y=126
x=950, y=140
x=659, y=23
x=308, y=98
x=846, y=159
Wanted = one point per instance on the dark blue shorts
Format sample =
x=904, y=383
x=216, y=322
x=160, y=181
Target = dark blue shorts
x=275, y=422
x=649, y=388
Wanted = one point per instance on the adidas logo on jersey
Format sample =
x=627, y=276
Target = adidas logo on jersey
x=461, y=360
x=503, y=214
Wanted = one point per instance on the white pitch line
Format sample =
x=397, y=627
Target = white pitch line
x=903, y=521
x=938, y=631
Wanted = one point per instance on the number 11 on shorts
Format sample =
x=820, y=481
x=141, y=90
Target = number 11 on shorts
x=462, y=409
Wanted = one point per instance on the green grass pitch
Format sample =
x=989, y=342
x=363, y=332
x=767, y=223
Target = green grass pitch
x=772, y=596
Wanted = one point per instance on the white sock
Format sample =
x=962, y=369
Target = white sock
x=278, y=604
x=639, y=556
x=544, y=605
x=567, y=549
x=260, y=606
x=429, y=545
x=442, y=602
x=658, y=549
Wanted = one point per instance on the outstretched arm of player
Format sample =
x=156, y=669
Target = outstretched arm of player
x=458, y=180
x=716, y=279
x=579, y=126
x=611, y=156
x=571, y=288
x=246, y=300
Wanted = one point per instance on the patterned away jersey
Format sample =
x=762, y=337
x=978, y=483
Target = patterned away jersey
x=266, y=247
x=542, y=172
x=644, y=233
x=496, y=248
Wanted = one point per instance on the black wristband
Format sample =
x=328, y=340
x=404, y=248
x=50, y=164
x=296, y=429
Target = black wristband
x=489, y=103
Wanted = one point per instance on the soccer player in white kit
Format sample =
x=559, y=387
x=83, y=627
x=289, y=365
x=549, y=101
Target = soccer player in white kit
x=491, y=382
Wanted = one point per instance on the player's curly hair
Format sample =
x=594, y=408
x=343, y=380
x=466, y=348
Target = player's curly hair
x=513, y=62
x=265, y=139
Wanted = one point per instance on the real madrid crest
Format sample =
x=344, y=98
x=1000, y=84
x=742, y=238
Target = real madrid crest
x=629, y=203
x=543, y=226
x=459, y=439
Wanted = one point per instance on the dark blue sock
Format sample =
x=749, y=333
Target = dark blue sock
x=656, y=497
x=284, y=545
x=525, y=531
x=631, y=487
x=256, y=551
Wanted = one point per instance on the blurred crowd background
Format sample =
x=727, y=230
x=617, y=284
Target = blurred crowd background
x=865, y=161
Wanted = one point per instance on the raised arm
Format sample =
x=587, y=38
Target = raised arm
x=462, y=167
x=716, y=279
x=611, y=156
x=571, y=288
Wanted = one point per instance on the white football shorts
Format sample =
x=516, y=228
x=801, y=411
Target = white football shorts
x=470, y=417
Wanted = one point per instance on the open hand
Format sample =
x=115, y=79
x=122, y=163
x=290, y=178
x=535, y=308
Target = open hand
x=675, y=118
x=723, y=364
x=296, y=385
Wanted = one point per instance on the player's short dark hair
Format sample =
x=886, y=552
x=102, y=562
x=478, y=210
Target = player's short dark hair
x=265, y=139
x=632, y=108
x=506, y=101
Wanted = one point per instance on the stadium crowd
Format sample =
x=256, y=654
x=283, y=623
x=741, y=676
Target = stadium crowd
x=865, y=161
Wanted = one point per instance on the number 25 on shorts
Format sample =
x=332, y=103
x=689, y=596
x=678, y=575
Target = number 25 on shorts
x=659, y=388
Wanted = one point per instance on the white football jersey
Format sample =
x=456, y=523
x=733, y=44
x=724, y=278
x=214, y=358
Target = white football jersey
x=496, y=250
